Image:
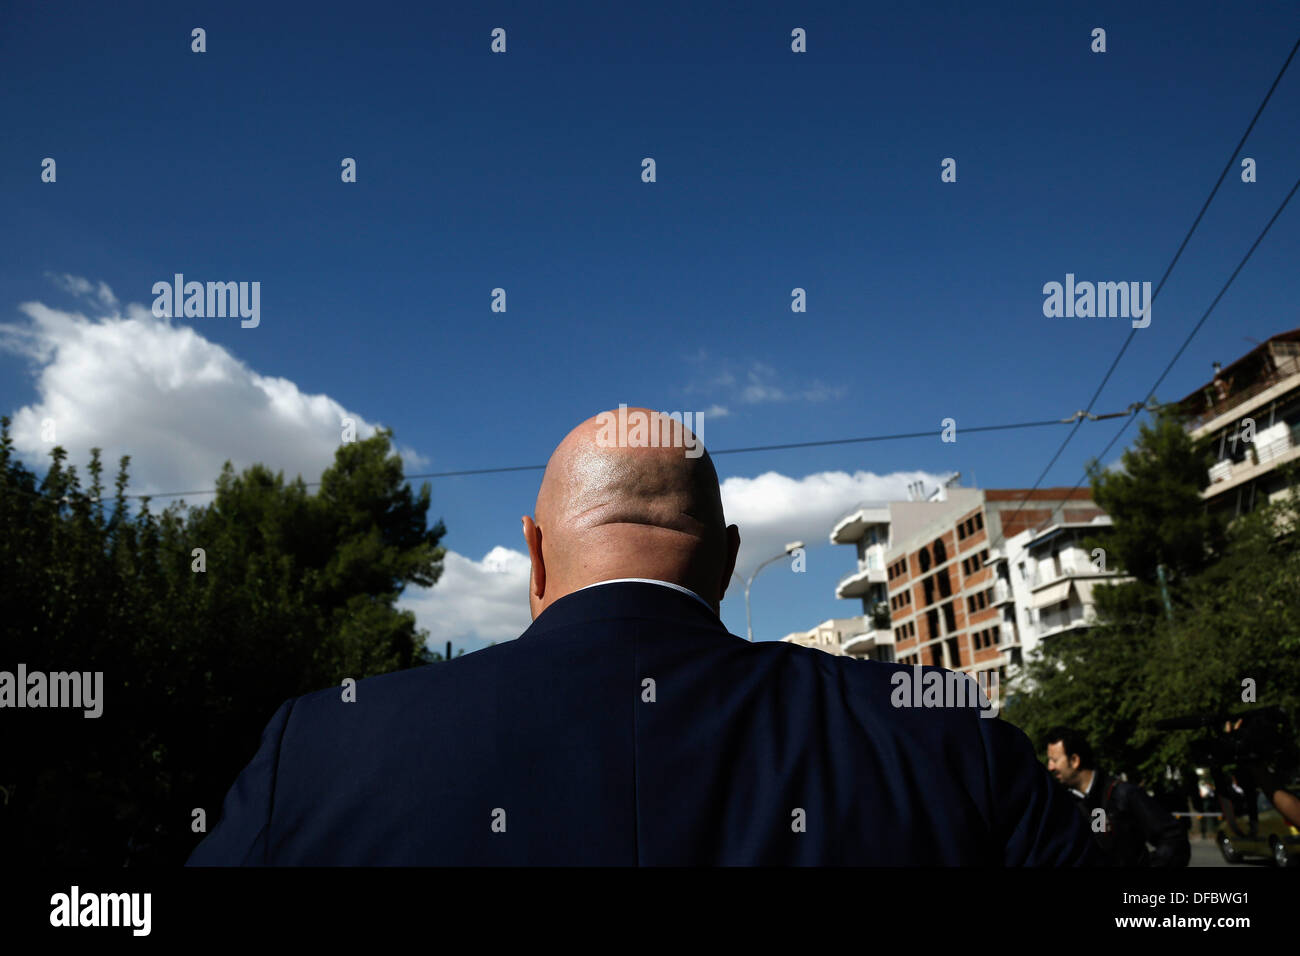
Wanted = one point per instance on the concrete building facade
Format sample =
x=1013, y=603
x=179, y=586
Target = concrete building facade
x=967, y=582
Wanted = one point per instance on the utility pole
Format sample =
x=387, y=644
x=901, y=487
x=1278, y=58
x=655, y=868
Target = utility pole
x=1164, y=592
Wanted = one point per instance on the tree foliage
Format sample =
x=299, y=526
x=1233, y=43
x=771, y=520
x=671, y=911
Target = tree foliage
x=1234, y=613
x=291, y=592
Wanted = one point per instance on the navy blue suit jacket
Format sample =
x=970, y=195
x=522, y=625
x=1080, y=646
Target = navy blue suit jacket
x=627, y=727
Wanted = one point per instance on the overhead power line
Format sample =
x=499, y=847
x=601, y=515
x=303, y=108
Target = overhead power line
x=1232, y=157
x=1186, y=342
x=1075, y=419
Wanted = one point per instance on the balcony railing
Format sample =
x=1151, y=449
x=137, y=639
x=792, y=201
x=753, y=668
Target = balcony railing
x=1071, y=570
x=1285, y=369
x=1060, y=620
x=1270, y=444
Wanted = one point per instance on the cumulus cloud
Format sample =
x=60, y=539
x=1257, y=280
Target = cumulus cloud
x=773, y=510
x=179, y=405
x=474, y=602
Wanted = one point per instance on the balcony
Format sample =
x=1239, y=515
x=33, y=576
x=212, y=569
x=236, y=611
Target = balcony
x=1079, y=567
x=1287, y=367
x=1273, y=447
x=1270, y=445
x=859, y=582
x=1002, y=593
x=1058, y=622
x=1008, y=634
x=865, y=644
x=855, y=527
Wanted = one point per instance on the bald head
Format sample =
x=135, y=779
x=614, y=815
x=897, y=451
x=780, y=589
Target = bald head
x=612, y=505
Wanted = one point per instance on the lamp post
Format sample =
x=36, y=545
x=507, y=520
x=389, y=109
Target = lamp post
x=749, y=625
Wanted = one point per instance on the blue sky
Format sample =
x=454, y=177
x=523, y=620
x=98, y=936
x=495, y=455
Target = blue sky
x=522, y=171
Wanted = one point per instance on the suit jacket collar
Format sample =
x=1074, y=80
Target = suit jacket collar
x=1096, y=796
x=626, y=599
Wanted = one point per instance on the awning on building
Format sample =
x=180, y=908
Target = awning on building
x=1084, y=590
x=1054, y=594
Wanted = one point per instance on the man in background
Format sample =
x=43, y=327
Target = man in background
x=1129, y=818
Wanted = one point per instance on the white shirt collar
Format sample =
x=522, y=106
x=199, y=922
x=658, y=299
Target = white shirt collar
x=667, y=584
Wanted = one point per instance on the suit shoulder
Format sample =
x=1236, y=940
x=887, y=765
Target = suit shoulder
x=412, y=682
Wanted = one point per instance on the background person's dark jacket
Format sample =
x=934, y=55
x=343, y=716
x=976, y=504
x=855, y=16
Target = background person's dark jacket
x=1134, y=819
x=551, y=730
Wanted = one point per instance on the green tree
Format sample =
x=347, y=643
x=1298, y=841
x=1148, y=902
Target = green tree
x=297, y=591
x=1155, y=502
x=1233, y=597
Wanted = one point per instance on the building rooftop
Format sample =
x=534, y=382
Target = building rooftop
x=1263, y=366
x=1053, y=531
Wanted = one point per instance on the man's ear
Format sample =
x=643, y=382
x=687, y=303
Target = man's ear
x=537, y=577
x=729, y=565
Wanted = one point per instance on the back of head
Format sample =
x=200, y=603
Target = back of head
x=613, y=508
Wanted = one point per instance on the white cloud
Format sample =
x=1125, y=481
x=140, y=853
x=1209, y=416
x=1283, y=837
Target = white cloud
x=177, y=403
x=773, y=510
x=474, y=602
x=84, y=288
x=760, y=384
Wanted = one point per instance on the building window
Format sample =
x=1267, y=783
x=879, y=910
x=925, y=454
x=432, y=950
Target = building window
x=979, y=521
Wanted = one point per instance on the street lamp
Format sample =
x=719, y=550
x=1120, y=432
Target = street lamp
x=749, y=625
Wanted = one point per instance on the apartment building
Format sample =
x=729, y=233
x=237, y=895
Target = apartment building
x=870, y=530
x=1263, y=386
x=944, y=572
x=1050, y=578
